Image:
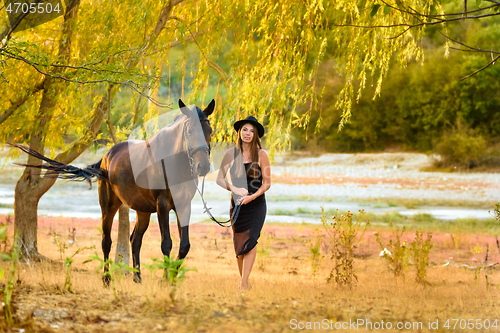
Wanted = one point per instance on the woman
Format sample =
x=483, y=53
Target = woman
x=250, y=176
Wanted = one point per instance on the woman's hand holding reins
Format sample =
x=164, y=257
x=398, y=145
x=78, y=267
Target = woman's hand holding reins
x=239, y=191
x=246, y=199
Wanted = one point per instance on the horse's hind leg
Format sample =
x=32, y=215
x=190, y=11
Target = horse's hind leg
x=109, y=206
x=136, y=241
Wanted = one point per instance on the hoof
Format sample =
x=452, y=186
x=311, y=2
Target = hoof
x=106, y=280
x=137, y=278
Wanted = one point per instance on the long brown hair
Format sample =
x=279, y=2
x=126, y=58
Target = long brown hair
x=255, y=145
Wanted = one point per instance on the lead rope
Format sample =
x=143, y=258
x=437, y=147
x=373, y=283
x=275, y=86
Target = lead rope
x=236, y=210
x=233, y=218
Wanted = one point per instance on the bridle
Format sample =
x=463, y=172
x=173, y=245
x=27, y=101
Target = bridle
x=190, y=152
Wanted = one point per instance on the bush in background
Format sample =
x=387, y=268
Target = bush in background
x=460, y=148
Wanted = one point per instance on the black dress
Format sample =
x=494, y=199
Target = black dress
x=246, y=229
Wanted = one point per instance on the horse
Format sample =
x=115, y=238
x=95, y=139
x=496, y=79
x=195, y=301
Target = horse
x=152, y=176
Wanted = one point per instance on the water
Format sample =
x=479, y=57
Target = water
x=71, y=199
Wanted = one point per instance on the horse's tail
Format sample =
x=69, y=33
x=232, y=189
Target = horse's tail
x=61, y=170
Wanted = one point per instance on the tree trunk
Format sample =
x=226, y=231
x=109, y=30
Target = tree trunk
x=30, y=187
x=123, y=244
x=27, y=196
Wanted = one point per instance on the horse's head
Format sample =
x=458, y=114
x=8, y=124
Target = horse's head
x=198, y=139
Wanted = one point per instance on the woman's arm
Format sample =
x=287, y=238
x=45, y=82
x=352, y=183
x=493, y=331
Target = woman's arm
x=265, y=166
x=221, y=175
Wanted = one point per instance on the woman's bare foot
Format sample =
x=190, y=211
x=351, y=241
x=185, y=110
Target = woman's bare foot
x=244, y=286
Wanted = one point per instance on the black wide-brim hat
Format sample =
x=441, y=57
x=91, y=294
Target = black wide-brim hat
x=250, y=120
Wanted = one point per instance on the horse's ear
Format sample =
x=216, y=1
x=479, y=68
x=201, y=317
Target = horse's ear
x=210, y=108
x=183, y=107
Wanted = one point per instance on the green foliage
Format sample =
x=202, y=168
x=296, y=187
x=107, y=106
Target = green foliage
x=8, y=290
x=417, y=105
x=67, y=269
x=112, y=271
x=67, y=282
x=62, y=246
x=345, y=236
x=264, y=250
x=315, y=252
x=252, y=57
x=399, y=255
x=496, y=212
x=420, y=255
x=396, y=253
x=460, y=148
x=172, y=271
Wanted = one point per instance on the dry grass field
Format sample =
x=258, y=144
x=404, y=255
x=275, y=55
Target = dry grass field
x=284, y=296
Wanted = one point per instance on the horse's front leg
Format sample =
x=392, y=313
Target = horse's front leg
x=183, y=217
x=136, y=241
x=162, y=209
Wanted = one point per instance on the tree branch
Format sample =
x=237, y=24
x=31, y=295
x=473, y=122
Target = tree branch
x=210, y=63
x=98, y=113
x=441, y=21
x=414, y=12
x=492, y=62
x=469, y=48
x=15, y=105
x=127, y=83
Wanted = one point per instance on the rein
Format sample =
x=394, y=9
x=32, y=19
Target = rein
x=190, y=153
x=236, y=210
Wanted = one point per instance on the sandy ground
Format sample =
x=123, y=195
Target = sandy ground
x=285, y=286
x=384, y=175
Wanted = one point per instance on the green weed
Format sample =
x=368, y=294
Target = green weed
x=315, y=252
x=113, y=272
x=173, y=272
x=8, y=290
x=420, y=255
x=496, y=212
x=61, y=245
x=264, y=250
x=395, y=253
x=67, y=269
x=345, y=236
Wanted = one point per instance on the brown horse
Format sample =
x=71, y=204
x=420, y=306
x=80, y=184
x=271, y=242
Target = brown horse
x=152, y=176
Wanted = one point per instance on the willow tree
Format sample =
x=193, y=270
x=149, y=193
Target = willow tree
x=368, y=34
x=59, y=78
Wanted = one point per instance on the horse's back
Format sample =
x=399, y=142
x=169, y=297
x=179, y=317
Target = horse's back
x=118, y=163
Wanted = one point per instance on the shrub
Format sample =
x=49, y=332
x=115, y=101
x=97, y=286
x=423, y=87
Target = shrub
x=395, y=253
x=399, y=255
x=460, y=148
x=345, y=236
x=420, y=255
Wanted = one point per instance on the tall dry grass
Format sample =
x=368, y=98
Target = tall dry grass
x=209, y=300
